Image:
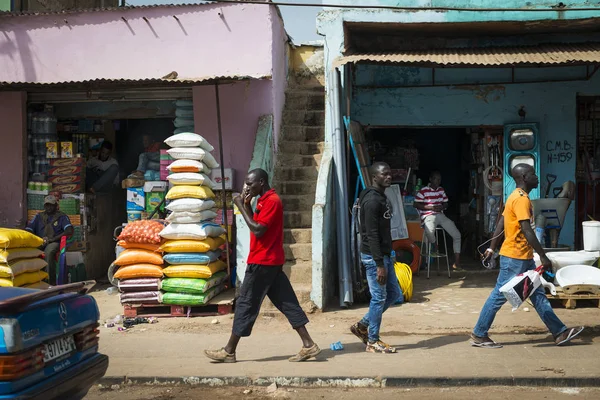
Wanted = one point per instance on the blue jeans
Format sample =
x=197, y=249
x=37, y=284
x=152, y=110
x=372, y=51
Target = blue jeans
x=149, y=161
x=509, y=268
x=382, y=296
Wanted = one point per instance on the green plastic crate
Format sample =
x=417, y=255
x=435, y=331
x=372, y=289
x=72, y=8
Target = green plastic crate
x=35, y=201
x=69, y=206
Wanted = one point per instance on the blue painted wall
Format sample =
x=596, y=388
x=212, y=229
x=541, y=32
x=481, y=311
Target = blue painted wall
x=551, y=105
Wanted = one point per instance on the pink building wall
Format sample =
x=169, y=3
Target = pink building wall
x=243, y=40
x=13, y=153
x=280, y=68
x=122, y=45
x=241, y=105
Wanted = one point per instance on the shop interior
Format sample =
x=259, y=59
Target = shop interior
x=470, y=163
x=82, y=127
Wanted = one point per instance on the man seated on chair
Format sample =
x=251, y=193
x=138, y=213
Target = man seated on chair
x=431, y=201
x=51, y=225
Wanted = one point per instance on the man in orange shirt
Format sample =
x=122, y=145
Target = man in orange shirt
x=516, y=257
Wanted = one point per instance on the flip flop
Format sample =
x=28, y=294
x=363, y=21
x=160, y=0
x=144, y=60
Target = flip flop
x=571, y=334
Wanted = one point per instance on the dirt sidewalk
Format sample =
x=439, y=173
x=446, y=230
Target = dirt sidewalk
x=430, y=332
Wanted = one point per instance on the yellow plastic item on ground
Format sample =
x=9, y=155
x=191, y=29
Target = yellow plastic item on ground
x=139, y=271
x=404, y=275
x=194, y=271
x=9, y=255
x=195, y=192
x=192, y=246
x=15, y=268
x=17, y=238
x=27, y=278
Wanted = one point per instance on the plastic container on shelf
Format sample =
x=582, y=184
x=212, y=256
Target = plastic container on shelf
x=591, y=235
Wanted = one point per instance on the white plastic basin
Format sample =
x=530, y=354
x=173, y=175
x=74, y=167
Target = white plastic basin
x=561, y=259
x=575, y=275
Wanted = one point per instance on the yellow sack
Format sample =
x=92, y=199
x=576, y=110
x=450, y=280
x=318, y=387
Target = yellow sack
x=196, y=192
x=194, y=271
x=192, y=246
x=404, y=275
x=15, y=254
x=38, y=285
x=21, y=266
x=24, y=279
x=15, y=238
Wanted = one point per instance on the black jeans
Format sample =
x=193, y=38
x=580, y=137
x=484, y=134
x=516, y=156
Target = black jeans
x=261, y=281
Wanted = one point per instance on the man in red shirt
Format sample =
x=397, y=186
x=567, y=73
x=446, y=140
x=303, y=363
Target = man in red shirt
x=264, y=273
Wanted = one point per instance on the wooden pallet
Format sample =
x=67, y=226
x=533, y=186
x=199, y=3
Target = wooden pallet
x=569, y=297
x=219, y=305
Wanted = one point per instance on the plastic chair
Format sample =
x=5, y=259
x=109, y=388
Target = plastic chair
x=426, y=251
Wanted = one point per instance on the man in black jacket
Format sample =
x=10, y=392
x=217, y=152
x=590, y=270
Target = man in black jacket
x=376, y=249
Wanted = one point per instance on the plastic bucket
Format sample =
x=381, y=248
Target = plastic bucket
x=133, y=215
x=591, y=235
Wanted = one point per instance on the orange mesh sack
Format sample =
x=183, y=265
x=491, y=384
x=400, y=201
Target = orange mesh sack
x=137, y=256
x=139, y=271
x=146, y=232
x=143, y=246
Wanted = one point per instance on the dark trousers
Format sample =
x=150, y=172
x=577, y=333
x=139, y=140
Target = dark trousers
x=50, y=252
x=101, y=181
x=261, y=281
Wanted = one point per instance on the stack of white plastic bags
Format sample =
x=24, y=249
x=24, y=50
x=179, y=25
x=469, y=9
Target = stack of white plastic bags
x=194, y=271
x=20, y=260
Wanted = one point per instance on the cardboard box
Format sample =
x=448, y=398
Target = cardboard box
x=51, y=149
x=153, y=199
x=216, y=177
x=219, y=219
x=136, y=199
x=68, y=188
x=65, y=179
x=67, y=162
x=69, y=170
x=66, y=149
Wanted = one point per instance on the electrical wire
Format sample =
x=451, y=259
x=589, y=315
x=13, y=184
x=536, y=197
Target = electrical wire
x=400, y=8
x=404, y=275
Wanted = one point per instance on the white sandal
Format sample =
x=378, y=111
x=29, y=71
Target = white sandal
x=571, y=334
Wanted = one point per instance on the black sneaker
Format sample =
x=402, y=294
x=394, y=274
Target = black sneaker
x=485, y=341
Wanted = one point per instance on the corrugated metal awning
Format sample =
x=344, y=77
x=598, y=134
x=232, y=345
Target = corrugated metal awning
x=118, y=89
x=551, y=54
x=150, y=82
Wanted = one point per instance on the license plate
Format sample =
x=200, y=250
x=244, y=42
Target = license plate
x=58, y=347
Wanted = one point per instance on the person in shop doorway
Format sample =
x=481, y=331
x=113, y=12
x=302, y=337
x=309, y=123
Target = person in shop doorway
x=431, y=202
x=264, y=272
x=51, y=225
x=376, y=249
x=516, y=257
x=102, y=172
x=149, y=159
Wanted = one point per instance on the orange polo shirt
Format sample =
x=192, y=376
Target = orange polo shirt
x=518, y=208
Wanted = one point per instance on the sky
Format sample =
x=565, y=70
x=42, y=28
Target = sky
x=300, y=22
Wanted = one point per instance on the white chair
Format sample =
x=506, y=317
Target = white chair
x=426, y=251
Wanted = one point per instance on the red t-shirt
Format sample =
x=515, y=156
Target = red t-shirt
x=153, y=148
x=268, y=249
